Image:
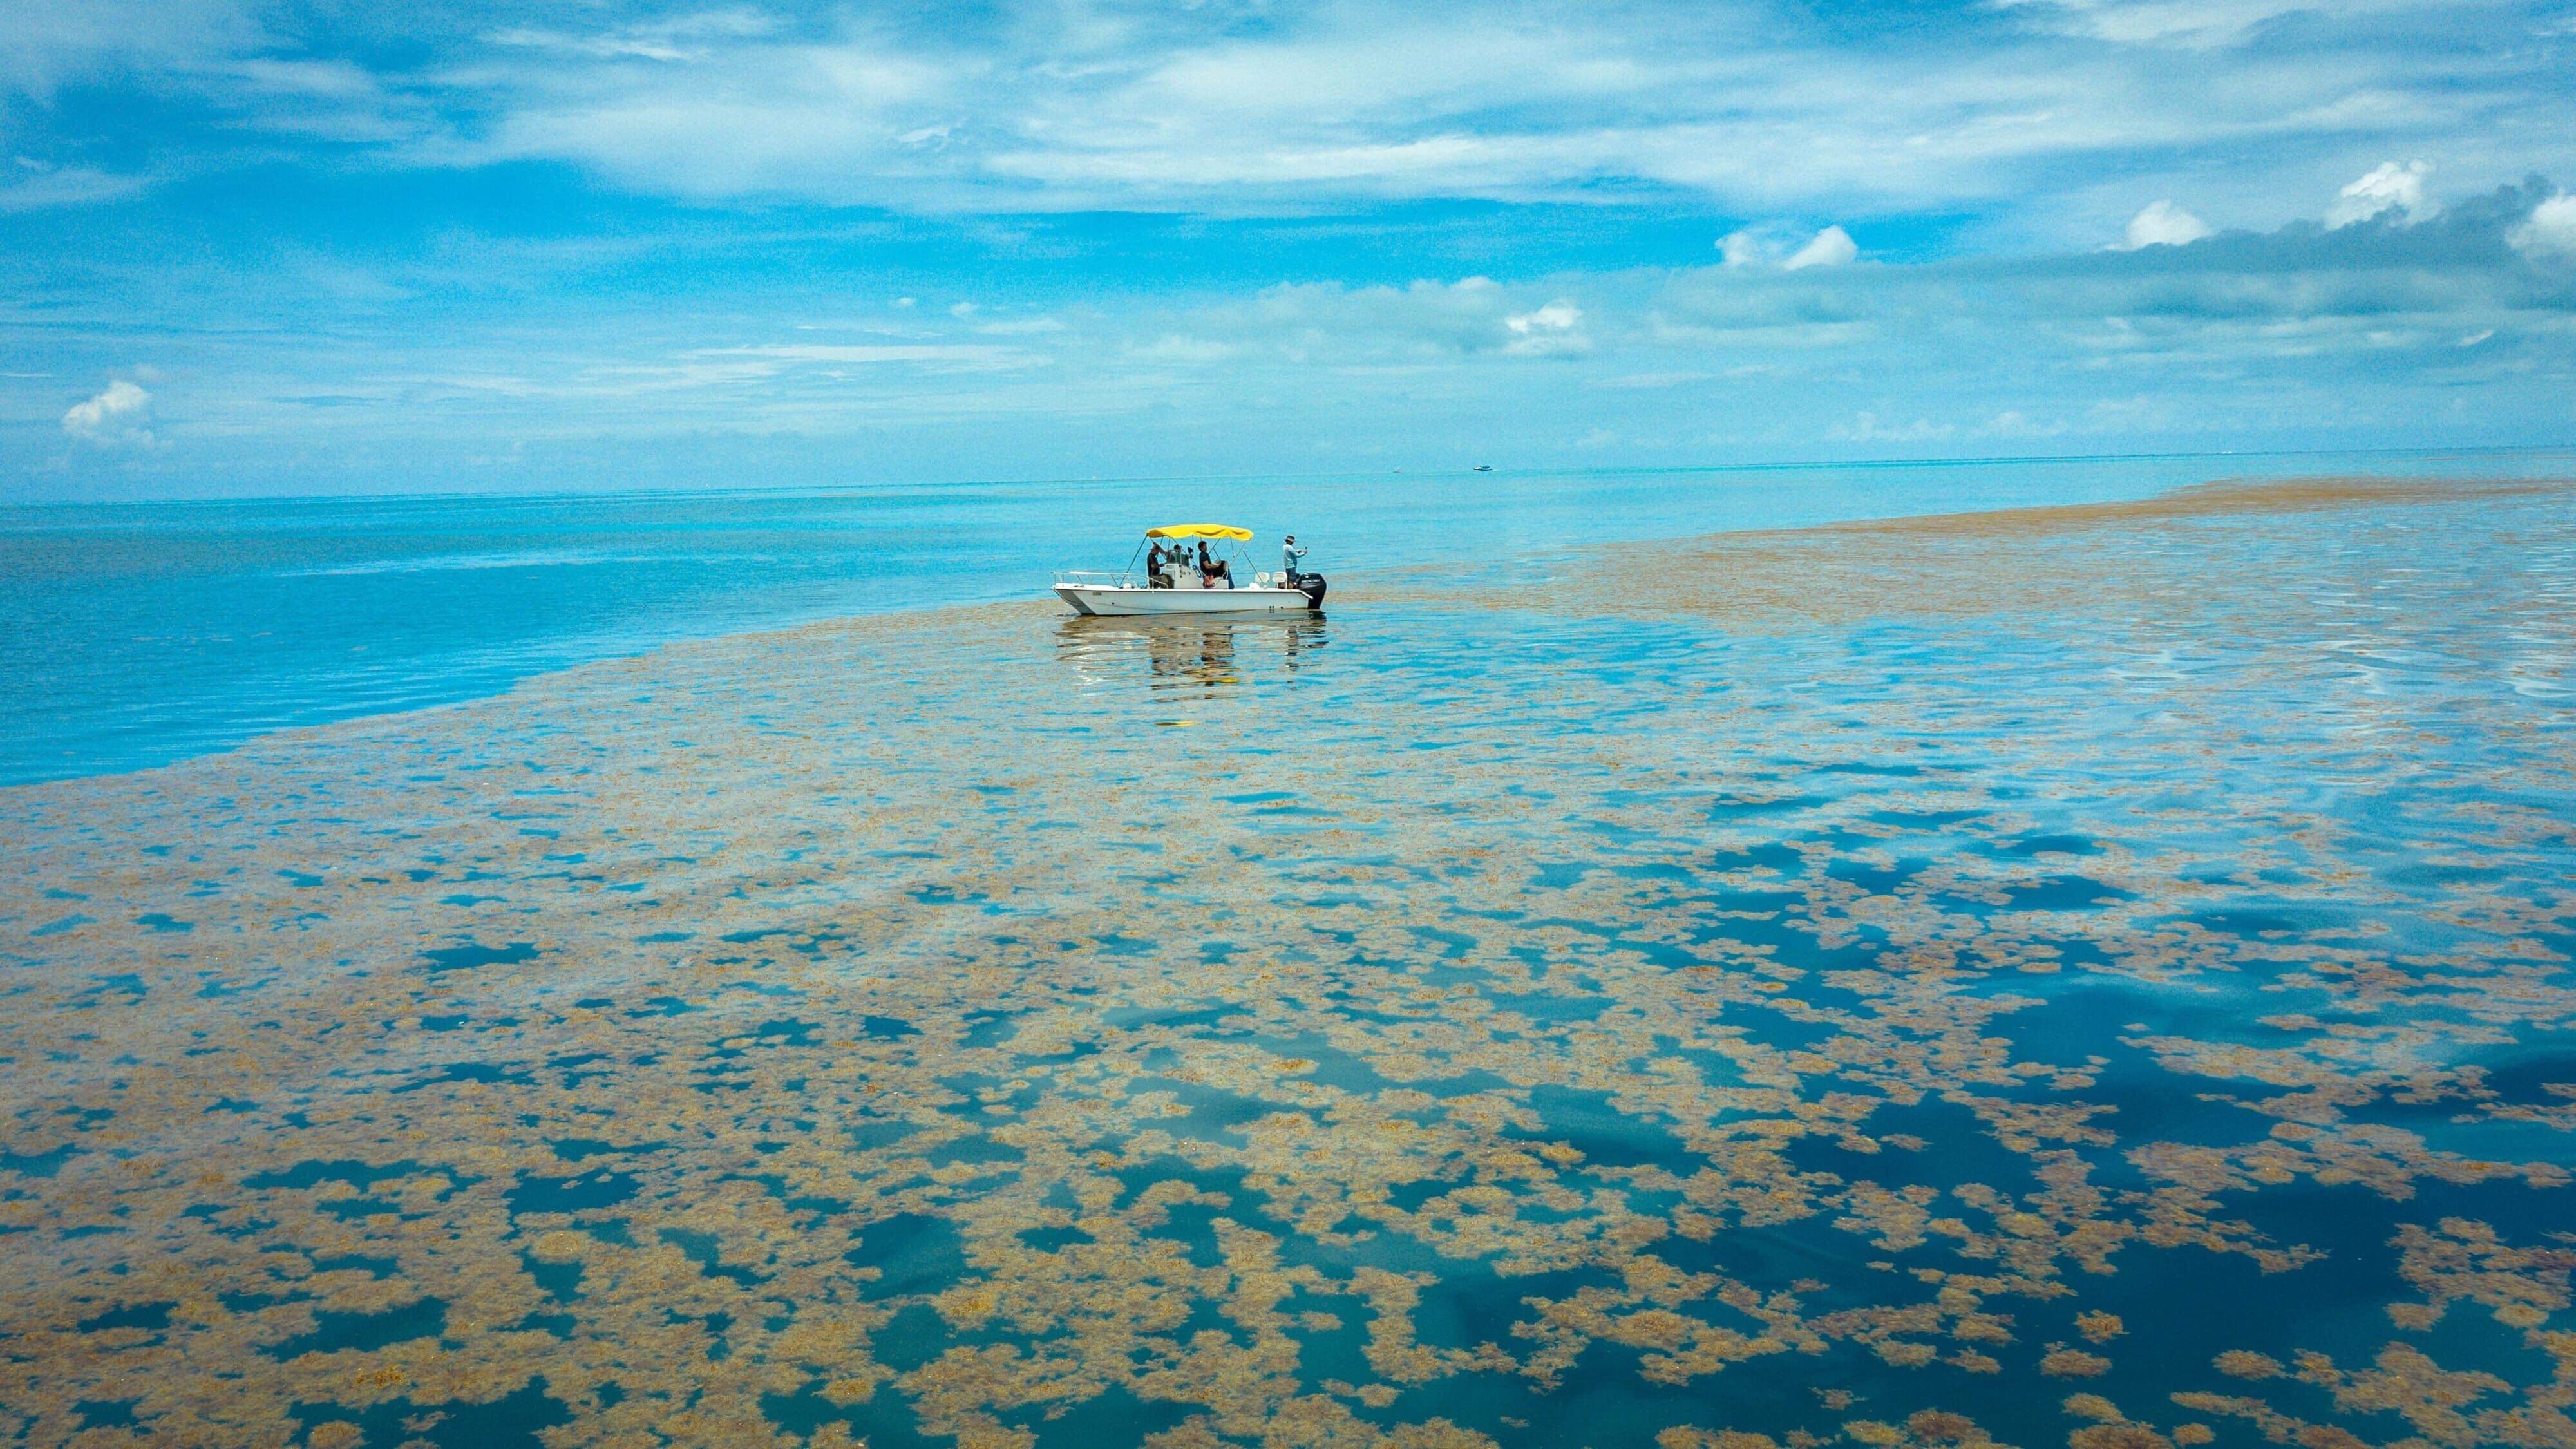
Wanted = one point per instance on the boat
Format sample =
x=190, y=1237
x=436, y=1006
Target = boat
x=1179, y=587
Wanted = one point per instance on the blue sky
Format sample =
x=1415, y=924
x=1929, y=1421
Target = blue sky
x=340, y=247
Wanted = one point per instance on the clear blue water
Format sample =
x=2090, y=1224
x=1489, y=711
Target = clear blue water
x=141, y=634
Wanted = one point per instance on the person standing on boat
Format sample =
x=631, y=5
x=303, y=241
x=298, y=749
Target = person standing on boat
x=1289, y=554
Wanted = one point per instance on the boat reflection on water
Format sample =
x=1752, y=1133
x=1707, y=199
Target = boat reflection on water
x=1185, y=653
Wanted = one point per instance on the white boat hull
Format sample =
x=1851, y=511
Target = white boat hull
x=1113, y=601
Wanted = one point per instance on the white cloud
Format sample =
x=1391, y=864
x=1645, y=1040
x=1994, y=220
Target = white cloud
x=1866, y=428
x=31, y=185
x=2550, y=230
x=1743, y=248
x=1831, y=247
x=1556, y=316
x=972, y=357
x=1552, y=330
x=2389, y=187
x=2163, y=224
x=121, y=414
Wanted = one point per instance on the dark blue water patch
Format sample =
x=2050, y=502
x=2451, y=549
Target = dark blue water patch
x=1113, y=1416
x=977, y=1151
x=1926, y=822
x=246, y=1304
x=2254, y=922
x=2030, y=845
x=1729, y=807
x=481, y=1073
x=664, y=938
x=1143, y=1018
x=1562, y=875
x=884, y=1421
x=150, y=1317
x=1213, y=1115
x=376, y=1268
x=1591, y=1124
x=570, y=1065
x=472, y=954
x=584, y=1192
x=351, y=1209
x=165, y=924
x=38, y=1164
x=2524, y=1072
x=1858, y=767
x=106, y=1413
x=786, y=1031
x=868, y=1134
x=559, y=1325
x=913, y=1254
x=915, y=1336
x=1877, y=880
x=515, y=1421
x=1347, y=1072
x=1193, y=1226
x=444, y=1023
x=558, y=1281
x=887, y=1028
x=706, y=1250
x=579, y=1149
x=2062, y=893
x=314, y=1172
x=1960, y=1149
x=989, y=1029
x=1454, y=945
x=664, y=1006
x=977, y=1091
x=124, y=983
x=365, y=1332
x=1054, y=1240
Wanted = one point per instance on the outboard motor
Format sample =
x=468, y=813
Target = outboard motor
x=1312, y=586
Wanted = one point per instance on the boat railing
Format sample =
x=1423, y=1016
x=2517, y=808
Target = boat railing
x=1091, y=578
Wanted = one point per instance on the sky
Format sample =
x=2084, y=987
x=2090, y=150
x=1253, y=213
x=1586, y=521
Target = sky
x=340, y=247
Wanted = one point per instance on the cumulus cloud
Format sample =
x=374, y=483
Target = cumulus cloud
x=1556, y=316
x=121, y=414
x=1772, y=244
x=1554, y=328
x=2388, y=187
x=2163, y=224
x=2550, y=230
x=1831, y=247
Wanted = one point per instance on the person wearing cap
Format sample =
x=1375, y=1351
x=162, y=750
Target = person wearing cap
x=1289, y=554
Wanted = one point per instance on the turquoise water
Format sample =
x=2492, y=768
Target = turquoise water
x=2102, y=977
x=140, y=634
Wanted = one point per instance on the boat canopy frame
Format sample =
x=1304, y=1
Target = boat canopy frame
x=1201, y=530
x=1204, y=532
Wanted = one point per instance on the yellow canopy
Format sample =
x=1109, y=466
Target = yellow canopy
x=1201, y=530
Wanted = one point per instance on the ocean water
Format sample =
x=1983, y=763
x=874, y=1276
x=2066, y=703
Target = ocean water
x=141, y=634
x=2094, y=976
